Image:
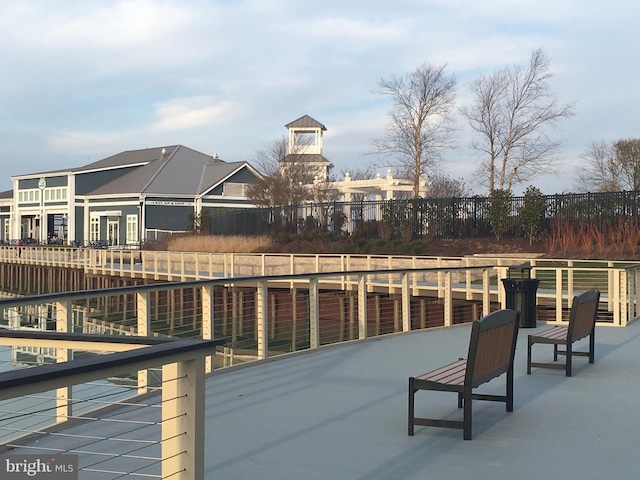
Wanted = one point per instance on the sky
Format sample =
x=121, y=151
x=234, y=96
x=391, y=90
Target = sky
x=83, y=80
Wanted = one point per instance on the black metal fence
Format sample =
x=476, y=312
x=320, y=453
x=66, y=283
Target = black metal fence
x=442, y=218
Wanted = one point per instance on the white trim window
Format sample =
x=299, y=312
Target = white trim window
x=94, y=229
x=28, y=196
x=132, y=229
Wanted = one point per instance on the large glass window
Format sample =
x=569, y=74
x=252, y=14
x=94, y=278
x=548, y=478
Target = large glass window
x=94, y=229
x=132, y=229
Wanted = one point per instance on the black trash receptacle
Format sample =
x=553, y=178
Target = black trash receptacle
x=521, y=295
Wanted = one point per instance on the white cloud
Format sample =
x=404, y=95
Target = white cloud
x=184, y=113
x=89, y=143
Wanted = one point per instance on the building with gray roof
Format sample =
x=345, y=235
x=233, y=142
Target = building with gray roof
x=124, y=199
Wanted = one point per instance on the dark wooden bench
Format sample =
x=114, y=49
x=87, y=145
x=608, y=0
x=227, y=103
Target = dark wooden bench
x=491, y=350
x=582, y=323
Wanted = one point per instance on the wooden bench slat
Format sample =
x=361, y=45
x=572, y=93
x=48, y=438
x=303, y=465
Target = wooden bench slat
x=449, y=374
x=555, y=333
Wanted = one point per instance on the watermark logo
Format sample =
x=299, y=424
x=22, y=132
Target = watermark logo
x=39, y=467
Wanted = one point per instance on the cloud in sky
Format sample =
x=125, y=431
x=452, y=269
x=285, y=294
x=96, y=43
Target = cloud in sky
x=183, y=113
x=81, y=81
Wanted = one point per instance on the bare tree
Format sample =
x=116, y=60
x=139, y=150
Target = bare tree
x=443, y=186
x=628, y=155
x=421, y=122
x=610, y=167
x=287, y=182
x=266, y=159
x=512, y=110
x=359, y=173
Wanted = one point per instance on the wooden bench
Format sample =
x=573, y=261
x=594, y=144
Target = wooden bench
x=582, y=323
x=491, y=350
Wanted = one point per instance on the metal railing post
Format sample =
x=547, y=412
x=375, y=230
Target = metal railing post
x=362, y=306
x=64, y=324
x=183, y=388
x=144, y=329
x=486, y=292
x=262, y=295
x=448, y=299
x=406, y=305
x=206, y=294
x=559, y=295
x=314, y=313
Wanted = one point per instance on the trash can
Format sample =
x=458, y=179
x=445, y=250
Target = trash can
x=520, y=290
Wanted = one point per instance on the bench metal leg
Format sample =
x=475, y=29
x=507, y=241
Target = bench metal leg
x=467, y=417
x=411, y=406
x=509, y=399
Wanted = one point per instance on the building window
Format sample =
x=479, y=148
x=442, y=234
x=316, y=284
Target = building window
x=6, y=229
x=132, y=229
x=94, y=229
x=234, y=189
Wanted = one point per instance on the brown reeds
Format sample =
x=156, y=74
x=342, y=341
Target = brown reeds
x=219, y=243
x=618, y=239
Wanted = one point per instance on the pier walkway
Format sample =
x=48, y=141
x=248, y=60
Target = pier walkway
x=340, y=413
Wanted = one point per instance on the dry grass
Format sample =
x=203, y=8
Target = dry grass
x=218, y=244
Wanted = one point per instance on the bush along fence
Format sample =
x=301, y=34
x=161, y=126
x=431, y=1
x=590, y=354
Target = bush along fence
x=531, y=215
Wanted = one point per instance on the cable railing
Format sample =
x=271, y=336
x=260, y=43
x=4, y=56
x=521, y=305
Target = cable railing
x=93, y=389
x=252, y=318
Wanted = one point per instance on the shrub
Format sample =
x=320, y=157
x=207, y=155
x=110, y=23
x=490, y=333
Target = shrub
x=531, y=213
x=498, y=211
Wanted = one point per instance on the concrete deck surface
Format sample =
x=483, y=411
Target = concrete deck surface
x=341, y=413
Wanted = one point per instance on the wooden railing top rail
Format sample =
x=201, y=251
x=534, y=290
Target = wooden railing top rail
x=22, y=382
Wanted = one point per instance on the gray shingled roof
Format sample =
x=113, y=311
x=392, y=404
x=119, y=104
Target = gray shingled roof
x=130, y=157
x=213, y=174
x=305, y=122
x=181, y=171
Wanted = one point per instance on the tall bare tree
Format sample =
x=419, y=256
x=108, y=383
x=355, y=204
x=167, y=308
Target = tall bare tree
x=512, y=111
x=610, y=167
x=421, y=120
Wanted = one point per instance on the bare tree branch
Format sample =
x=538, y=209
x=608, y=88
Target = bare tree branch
x=421, y=124
x=628, y=156
x=610, y=167
x=512, y=110
x=287, y=182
